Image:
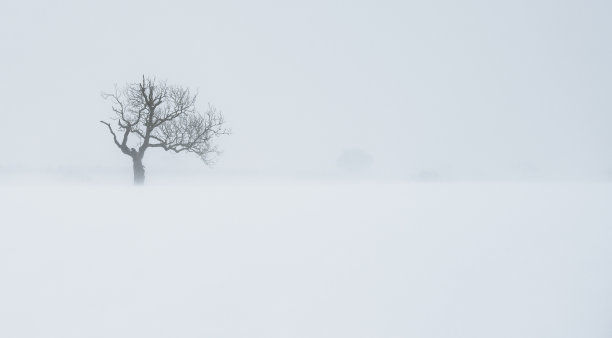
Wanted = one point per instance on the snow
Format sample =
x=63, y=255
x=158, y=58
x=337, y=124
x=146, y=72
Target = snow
x=306, y=259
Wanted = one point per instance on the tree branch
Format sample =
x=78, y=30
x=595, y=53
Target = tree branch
x=163, y=116
x=121, y=146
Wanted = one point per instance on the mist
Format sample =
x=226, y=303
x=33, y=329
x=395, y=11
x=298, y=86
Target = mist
x=515, y=90
x=394, y=169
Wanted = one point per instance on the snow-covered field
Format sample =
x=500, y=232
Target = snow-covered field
x=306, y=259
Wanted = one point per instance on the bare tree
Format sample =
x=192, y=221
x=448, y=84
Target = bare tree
x=153, y=114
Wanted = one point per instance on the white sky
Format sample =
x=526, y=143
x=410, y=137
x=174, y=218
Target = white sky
x=469, y=88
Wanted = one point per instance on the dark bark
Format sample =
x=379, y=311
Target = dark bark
x=139, y=171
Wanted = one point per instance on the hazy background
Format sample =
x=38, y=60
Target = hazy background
x=449, y=89
x=338, y=106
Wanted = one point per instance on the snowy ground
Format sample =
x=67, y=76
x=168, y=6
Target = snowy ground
x=306, y=259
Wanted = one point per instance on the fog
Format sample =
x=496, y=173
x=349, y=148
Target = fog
x=395, y=169
x=469, y=90
x=307, y=260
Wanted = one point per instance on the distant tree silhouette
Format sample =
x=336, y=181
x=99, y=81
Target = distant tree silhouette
x=354, y=160
x=153, y=114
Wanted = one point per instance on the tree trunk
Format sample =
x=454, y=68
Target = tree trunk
x=139, y=171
